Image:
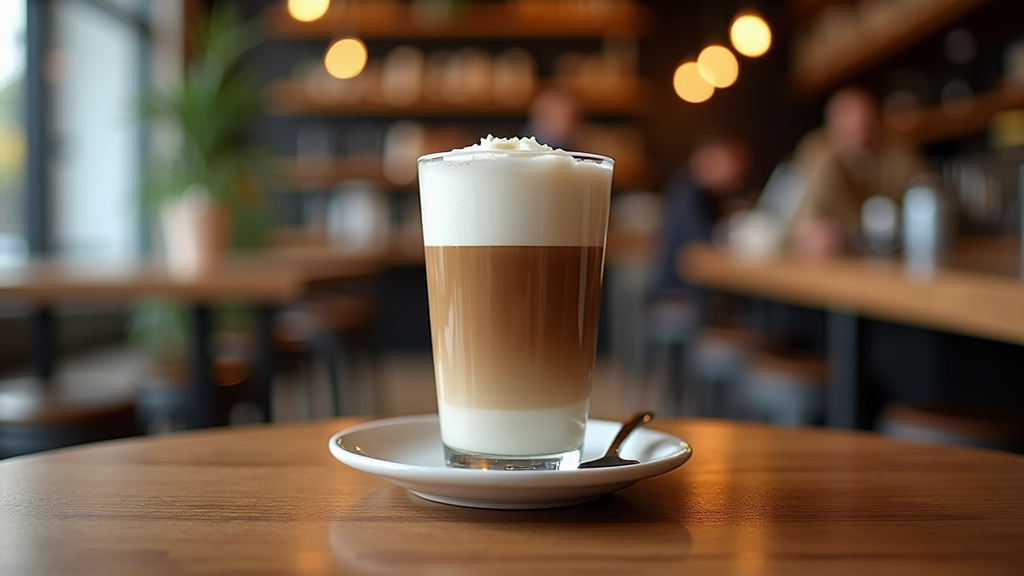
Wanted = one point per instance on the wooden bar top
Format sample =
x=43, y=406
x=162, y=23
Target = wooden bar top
x=975, y=294
x=753, y=500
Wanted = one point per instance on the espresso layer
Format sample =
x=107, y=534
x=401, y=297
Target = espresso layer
x=514, y=327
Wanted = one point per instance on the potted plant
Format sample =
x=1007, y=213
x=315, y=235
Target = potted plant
x=206, y=190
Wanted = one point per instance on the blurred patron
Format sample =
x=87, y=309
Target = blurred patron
x=697, y=197
x=555, y=119
x=842, y=164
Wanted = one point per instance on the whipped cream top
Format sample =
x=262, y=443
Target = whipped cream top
x=514, y=143
x=513, y=192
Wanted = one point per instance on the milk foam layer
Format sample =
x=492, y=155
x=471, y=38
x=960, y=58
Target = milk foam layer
x=514, y=432
x=513, y=192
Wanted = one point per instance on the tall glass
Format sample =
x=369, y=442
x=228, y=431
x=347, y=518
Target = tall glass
x=514, y=243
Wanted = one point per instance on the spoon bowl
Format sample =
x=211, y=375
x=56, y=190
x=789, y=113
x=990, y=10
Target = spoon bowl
x=611, y=457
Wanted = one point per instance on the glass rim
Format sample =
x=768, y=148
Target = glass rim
x=500, y=153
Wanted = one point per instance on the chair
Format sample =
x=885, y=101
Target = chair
x=974, y=426
x=785, y=386
x=335, y=329
x=164, y=400
x=718, y=361
x=669, y=328
x=36, y=416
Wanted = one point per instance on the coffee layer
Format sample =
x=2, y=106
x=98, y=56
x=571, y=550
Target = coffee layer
x=514, y=327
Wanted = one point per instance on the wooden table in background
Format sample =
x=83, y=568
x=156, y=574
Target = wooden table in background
x=977, y=293
x=265, y=280
x=753, y=500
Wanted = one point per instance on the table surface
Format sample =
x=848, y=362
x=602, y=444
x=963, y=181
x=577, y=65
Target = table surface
x=977, y=293
x=275, y=276
x=753, y=499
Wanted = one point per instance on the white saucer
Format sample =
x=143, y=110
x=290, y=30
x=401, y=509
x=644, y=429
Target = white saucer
x=407, y=451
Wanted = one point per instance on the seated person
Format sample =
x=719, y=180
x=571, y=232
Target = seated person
x=696, y=198
x=842, y=164
x=555, y=119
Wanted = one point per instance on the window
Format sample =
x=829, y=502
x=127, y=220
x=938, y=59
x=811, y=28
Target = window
x=95, y=69
x=13, y=245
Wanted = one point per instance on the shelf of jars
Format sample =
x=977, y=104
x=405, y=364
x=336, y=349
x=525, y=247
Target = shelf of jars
x=632, y=171
x=843, y=39
x=327, y=98
x=513, y=19
x=956, y=118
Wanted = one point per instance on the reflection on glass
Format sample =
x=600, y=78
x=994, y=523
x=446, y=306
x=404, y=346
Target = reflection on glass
x=12, y=131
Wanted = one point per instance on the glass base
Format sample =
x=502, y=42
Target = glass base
x=563, y=461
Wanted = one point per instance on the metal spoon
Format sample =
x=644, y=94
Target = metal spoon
x=611, y=457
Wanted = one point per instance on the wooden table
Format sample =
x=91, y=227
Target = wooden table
x=266, y=280
x=753, y=500
x=977, y=293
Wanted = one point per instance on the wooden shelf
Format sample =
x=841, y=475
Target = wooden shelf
x=869, y=50
x=318, y=175
x=292, y=98
x=968, y=116
x=801, y=10
x=529, y=20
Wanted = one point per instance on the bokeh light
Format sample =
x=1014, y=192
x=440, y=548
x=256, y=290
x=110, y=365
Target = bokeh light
x=307, y=10
x=750, y=35
x=718, y=66
x=346, y=58
x=689, y=85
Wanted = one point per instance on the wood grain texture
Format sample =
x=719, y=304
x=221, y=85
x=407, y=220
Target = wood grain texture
x=959, y=300
x=753, y=500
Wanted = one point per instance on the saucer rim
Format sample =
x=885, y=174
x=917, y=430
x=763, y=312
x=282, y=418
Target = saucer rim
x=510, y=478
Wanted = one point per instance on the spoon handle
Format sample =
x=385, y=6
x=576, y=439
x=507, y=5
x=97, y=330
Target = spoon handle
x=635, y=421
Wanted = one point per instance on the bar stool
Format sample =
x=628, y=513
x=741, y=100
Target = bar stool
x=718, y=361
x=669, y=327
x=332, y=329
x=164, y=399
x=979, y=427
x=785, y=386
x=35, y=416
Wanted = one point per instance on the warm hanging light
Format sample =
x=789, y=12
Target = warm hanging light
x=307, y=10
x=717, y=66
x=750, y=35
x=689, y=85
x=346, y=58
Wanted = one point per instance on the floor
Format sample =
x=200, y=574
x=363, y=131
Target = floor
x=401, y=383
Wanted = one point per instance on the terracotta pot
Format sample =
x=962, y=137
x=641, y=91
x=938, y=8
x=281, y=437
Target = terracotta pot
x=195, y=235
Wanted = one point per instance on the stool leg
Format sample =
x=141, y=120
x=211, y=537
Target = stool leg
x=673, y=380
x=43, y=347
x=329, y=349
x=265, y=357
x=843, y=377
x=369, y=353
x=203, y=387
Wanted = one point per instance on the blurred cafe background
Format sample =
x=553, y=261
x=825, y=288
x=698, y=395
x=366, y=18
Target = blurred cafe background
x=816, y=213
